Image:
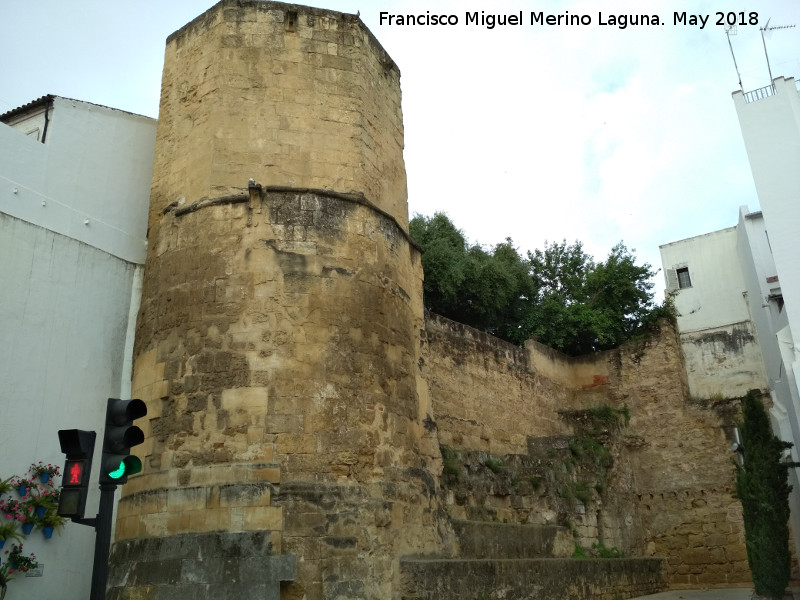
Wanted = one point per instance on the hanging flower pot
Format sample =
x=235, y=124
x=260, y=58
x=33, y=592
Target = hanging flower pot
x=27, y=528
x=23, y=491
x=40, y=510
x=48, y=531
x=2, y=542
x=45, y=472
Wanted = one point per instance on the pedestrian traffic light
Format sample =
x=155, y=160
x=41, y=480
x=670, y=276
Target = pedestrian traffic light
x=78, y=445
x=119, y=436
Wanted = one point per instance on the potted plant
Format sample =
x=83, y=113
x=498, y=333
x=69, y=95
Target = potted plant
x=41, y=502
x=6, y=486
x=8, y=531
x=17, y=561
x=23, y=485
x=26, y=516
x=5, y=577
x=12, y=509
x=50, y=522
x=44, y=471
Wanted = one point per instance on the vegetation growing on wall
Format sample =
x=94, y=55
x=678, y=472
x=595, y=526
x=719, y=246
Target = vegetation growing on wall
x=565, y=475
x=558, y=296
x=762, y=488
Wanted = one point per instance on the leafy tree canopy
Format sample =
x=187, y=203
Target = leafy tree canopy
x=559, y=296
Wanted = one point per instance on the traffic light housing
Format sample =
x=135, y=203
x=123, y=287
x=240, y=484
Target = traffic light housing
x=119, y=436
x=78, y=445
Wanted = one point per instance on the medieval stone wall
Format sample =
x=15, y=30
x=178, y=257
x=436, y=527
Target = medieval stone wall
x=276, y=351
x=684, y=474
x=485, y=395
x=299, y=400
x=277, y=345
x=670, y=490
x=283, y=94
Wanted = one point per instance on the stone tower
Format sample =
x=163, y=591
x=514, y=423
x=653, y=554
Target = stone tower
x=278, y=342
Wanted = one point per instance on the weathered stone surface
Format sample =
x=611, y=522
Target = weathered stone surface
x=499, y=540
x=298, y=397
x=669, y=491
x=316, y=105
x=531, y=579
x=211, y=565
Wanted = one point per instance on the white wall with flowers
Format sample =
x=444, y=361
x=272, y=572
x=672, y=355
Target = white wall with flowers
x=68, y=303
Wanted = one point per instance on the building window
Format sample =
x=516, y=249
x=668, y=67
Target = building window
x=778, y=299
x=683, y=278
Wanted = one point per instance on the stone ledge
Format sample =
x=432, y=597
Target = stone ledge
x=199, y=566
x=478, y=539
x=530, y=579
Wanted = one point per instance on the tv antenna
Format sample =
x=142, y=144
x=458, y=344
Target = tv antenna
x=729, y=31
x=769, y=30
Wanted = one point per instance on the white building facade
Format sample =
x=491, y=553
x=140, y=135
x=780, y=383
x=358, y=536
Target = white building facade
x=74, y=192
x=719, y=341
x=737, y=290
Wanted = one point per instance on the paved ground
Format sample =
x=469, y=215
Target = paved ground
x=701, y=595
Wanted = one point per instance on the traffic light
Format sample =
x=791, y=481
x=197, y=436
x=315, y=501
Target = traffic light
x=119, y=436
x=78, y=445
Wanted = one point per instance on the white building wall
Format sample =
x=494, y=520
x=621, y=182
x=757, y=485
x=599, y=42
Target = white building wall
x=775, y=339
x=68, y=299
x=719, y=342
x=771, y=131
x=88, y=178
x=758, y=267
x=770, y=123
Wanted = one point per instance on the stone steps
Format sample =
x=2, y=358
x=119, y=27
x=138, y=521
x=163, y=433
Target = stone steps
x=479, y=539
x=524, y=562
x=530, y=579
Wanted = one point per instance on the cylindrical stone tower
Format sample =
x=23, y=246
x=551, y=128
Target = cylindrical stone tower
x=278, y=343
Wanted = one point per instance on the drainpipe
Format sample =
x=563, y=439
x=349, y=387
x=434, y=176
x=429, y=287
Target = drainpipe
x=47, y=110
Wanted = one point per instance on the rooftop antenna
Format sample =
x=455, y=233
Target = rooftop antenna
x=729, y=31
x=769, y=31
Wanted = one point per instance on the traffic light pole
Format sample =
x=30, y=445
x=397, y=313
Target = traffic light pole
x=102, y=544
x=117, y=464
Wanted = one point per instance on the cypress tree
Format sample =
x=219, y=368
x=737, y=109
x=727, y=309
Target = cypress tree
x=763, y=489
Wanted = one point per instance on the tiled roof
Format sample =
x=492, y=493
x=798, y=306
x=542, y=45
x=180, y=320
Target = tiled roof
x=26, y=107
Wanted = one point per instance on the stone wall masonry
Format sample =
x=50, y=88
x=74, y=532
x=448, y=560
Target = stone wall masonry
x=680, y=464
x=298, y=396
x=684, y=475
x=277, y=348
x=485, y=394
x=542, y=579
x=212, y=566
x=284, y=94
x=670, y=491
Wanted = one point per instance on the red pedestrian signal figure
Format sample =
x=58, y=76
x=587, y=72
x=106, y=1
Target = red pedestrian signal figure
x=75, y=475
x=78, y=445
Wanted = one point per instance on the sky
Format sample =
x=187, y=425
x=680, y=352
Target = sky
x=534, y=132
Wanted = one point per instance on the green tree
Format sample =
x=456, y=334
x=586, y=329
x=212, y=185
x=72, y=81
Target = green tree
x=763, y=489
x=559, y=295
x=585, y=306
x=444, y=261
x=466, y=283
